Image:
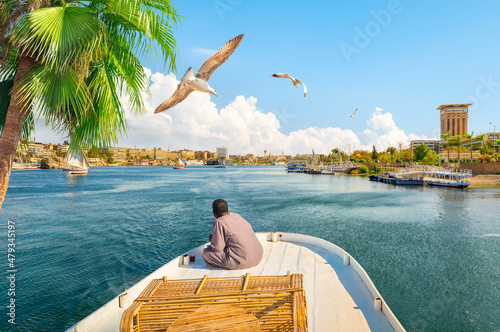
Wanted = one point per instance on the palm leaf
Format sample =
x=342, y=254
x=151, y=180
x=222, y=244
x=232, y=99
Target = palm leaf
x=87, y=58
x=129, y=72
x=102, y=124
x=60, y=36
x=141, y=26
x=59, y=97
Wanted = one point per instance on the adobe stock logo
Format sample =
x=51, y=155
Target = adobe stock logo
x=483, y=91
x=373, y=28
x=223, y=6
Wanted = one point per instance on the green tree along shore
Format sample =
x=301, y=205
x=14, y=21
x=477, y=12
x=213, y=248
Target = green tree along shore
x=69, y=62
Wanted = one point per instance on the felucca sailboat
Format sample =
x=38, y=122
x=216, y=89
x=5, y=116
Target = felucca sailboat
x=76, y=163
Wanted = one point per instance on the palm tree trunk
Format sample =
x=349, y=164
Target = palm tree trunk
x=12, y=130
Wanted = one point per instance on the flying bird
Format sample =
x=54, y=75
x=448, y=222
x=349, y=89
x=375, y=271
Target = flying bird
x=352, y=115
x=295, y=81
x=199, y=82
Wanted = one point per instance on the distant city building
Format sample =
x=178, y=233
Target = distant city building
x=492, y=136
x=186, y=154
x=454, y=118
x=436, y=145
x=62, y=147
x=201, y=155
x=165, y=155
x=223, y=152
x=119, y=154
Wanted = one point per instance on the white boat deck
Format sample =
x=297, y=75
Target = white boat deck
x=339, y=297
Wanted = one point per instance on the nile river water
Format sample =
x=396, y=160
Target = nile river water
x=433, y=253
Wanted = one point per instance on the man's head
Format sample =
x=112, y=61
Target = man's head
x=219, y=207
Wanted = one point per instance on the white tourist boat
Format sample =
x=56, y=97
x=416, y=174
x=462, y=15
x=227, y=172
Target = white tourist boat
x=194, y=163
x=223, y=165
x=326, y=290
x=76, y=164
x=21, y=165
x=448, y=183
x=448, y=178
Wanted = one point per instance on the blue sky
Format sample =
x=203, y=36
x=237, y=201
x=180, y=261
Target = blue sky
x=405, y=57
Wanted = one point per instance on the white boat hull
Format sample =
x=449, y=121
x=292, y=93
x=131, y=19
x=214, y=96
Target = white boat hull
x=339, y=297
x=78, y=172
x=448, y=184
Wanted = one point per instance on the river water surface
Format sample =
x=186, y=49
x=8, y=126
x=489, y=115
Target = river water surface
x=433, y=253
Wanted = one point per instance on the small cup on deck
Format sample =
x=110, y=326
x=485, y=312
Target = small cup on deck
x=192, y=258
x=185, y=259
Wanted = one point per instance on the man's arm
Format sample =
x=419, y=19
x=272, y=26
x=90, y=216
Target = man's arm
x=218, y=241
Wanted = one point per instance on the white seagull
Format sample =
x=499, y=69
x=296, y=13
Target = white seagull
x=295, y=81
x=199, y=82
x=352, y=115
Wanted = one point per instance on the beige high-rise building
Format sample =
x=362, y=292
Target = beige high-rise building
x=454, y=118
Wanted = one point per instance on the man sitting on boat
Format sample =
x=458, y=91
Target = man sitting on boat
x=233, y=243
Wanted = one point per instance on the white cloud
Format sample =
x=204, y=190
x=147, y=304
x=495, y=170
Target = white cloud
x=383, y=131
x=198, y=124
x=204, y=51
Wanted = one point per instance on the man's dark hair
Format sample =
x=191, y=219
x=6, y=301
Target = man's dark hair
x=219, y=206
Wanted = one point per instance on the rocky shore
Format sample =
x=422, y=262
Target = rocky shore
x=52, y=163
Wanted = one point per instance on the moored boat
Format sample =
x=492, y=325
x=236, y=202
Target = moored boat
x=325, y=290
x=450, y=184
x=223, y=165
x=448, y=178
x=20, y=167
x=314, y=171
x=77, y=163
x=20, y=164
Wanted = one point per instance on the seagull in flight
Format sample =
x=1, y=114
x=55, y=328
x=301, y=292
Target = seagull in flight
x=352, y=115
x=199, y=82
x=295, y=81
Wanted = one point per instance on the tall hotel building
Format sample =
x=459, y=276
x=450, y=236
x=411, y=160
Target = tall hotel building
x=223, y=152
x=454, y=118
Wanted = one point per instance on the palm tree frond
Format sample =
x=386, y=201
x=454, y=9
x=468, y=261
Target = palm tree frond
x=59, y=36
x=60, y=97
x=141, y=25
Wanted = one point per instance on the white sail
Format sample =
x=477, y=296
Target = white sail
x=181, y=161
x=77, y=160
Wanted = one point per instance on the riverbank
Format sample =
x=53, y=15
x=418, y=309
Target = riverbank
x=485, y=181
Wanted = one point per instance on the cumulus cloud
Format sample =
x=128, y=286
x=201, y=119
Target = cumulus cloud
x=198, y=124
x=383, y=132
x=204, y=51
